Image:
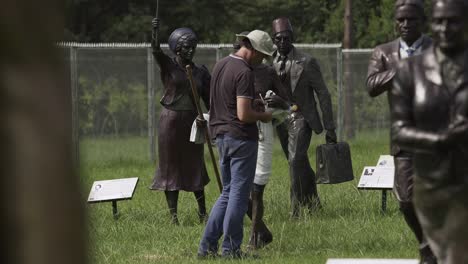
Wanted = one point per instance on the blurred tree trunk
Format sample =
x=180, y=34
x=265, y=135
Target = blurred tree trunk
x=347, y=69
x=41, y=205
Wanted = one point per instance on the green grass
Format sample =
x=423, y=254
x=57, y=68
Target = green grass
x=349, y=226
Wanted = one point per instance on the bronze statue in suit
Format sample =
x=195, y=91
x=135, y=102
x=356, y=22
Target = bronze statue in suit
x=409, y=20
x=303, y=81
x=429, y=112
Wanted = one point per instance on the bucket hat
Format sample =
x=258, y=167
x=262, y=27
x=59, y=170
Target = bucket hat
x=260, y=41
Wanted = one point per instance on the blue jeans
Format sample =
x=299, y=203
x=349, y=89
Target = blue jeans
x=237, y=158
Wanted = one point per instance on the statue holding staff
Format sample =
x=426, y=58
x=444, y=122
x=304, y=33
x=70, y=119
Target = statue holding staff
x=181, y=162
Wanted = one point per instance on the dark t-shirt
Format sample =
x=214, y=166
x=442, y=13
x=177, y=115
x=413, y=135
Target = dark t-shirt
x=232, y=77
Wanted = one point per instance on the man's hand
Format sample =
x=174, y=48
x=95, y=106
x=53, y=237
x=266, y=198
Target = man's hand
x=330, y=137
x=258, y=105
x=201, y=123
x=276, y=101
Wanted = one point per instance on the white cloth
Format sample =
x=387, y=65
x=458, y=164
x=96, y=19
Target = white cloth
x=197, y=135
x=265, y=153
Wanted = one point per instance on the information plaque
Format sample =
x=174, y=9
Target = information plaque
x=379, y=177
x=108, y=190
x=112, y=191
x=372, y=261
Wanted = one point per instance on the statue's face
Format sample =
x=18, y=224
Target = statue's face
x=409, y=22
x=449, y=27
x=187, y=47
x=283, y=40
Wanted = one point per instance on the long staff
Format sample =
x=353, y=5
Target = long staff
x=207, y=134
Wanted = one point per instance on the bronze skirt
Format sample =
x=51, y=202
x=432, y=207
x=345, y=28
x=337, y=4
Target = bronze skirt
x=181, y=163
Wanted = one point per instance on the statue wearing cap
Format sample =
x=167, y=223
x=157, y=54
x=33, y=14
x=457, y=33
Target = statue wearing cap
x=303, y=81
x=429, y=112
x=181, y=163
x=409, y=21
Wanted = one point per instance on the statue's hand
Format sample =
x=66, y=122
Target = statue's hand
x=155, y=24
x=154, y=39
x=458, y=131
x=331, y=137
x=275, y=101
x=201, y=123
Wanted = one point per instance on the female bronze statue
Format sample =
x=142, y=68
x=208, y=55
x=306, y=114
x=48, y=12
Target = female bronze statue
x=181, y=164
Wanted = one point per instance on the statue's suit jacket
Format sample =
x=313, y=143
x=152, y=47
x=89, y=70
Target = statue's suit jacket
x=306, y=83
x=382, y=68
x=422, y=108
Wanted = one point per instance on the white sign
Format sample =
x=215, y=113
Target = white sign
x=372, y=261
x=119, y=189
x=377, y=177
x=385, y=161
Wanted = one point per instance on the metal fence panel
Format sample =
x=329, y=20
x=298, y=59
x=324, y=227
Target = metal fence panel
x=117, y=88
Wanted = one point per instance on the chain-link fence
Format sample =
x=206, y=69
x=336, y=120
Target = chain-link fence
x=116, y=90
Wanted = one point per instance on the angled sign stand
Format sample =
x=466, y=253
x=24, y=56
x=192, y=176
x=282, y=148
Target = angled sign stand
x=379, y=177
x=112, y=191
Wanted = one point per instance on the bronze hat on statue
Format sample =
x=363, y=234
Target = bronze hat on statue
x=281, y=24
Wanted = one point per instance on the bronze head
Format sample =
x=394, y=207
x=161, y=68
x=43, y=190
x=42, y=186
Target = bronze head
x=409, y=19
x=183, y=42
x=450, y=25
x=283, y=35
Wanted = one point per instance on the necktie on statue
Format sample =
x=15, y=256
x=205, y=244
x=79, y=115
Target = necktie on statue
x=282, y=69
x=410, y=51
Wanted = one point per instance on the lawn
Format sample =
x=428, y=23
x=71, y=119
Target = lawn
x=349, y=225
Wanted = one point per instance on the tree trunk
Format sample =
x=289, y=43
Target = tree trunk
x=347, y=72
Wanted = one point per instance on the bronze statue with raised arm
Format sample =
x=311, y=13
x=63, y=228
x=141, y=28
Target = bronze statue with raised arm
x=181, y=163
x=429, y=111
x=409, y=21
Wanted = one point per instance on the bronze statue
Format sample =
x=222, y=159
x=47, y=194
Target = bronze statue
x=301, y=76
x=409, y=21
x=429, y=114
x=181, y=163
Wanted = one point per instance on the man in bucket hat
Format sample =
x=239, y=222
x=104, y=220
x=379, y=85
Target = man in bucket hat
x=233, y=125
x=302, y=78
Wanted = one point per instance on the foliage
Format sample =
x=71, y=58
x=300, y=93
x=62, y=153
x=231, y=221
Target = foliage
x=314, y=21
x=112, y=107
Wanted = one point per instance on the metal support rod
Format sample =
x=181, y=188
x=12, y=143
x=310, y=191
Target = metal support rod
x=384, y=201
x=339, y=83
x=115, y=212
x=74, y=105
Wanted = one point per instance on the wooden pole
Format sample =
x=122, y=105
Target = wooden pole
x=207, y=134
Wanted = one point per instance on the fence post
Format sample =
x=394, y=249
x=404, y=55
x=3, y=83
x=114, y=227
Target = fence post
x=151, y=106
x=74, y=105
x=339, y=80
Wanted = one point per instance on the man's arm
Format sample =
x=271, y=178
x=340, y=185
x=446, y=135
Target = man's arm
x=246, y=114
x=379, y=75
